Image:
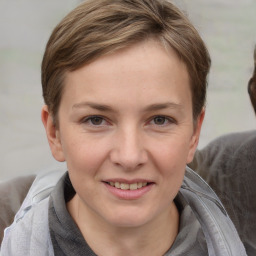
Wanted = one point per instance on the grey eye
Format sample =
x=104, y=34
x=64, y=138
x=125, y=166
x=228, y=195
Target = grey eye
x=159, y=120
x=97, y=120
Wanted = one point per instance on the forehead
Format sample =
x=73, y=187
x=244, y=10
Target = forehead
x=143, y=72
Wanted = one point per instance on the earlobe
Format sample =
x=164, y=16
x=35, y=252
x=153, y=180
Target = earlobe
x=195, y=137
x=53, y=135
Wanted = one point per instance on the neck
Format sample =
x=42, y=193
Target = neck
x=153, y=238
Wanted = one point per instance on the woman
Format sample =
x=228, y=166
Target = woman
x=124, y=84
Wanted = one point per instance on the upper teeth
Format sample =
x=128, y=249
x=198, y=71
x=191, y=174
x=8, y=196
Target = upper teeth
x=126, y=186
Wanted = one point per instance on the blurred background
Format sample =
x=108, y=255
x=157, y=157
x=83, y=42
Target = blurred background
x=228, y=28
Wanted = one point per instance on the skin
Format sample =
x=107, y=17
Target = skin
x=143, y=130
x=252, y=85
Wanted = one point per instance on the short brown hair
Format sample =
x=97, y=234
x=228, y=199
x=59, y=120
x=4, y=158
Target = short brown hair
x=99, y=27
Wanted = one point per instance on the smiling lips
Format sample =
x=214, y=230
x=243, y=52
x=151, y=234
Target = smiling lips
x=126, y=186
x=128, y=190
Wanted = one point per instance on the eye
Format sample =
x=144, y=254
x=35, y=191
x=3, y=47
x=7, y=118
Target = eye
x=95, y=121
x=161, y=121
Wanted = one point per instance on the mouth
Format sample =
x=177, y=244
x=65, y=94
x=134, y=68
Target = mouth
x=126, y=186
x=129, y=190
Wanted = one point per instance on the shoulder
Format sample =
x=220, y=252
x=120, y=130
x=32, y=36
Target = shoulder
x=216, y=224
x=224, y=151
x=228, y=165
x=13, y=192
x=30, y=234
x=198, y=192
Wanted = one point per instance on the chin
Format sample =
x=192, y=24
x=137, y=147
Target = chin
x=128, y=219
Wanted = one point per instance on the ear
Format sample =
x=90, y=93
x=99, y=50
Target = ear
x=53, y=135
x=195, y=137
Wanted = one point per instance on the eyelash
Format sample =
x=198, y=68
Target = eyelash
x=167, y=120
x=89, y=119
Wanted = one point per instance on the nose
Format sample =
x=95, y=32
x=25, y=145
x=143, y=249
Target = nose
x=129, y=150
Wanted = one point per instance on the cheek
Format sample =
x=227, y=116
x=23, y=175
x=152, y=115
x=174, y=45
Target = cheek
x=171, y=156
x=171, y=164
x=84, y=156
x=84, y=162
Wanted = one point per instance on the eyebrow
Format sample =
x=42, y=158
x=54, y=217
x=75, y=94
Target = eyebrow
x=160, y=106
x=153, y=107
x=97, y=106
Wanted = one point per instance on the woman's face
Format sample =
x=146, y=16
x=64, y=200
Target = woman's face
x=126, y=132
